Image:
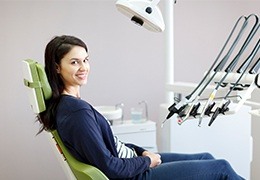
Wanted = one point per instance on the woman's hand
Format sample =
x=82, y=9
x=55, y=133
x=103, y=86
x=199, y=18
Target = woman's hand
x=155, y=158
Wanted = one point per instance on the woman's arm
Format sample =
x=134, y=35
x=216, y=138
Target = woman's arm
x=154, y=157
x=84, y=136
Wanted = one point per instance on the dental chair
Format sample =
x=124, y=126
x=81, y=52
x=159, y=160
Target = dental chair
x=39, y=90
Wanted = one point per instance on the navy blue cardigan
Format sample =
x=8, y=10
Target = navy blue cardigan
x=88, y=136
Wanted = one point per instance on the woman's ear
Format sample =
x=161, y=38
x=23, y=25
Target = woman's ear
x=57, y=68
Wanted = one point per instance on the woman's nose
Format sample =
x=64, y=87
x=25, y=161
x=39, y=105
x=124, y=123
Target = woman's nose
x=84, y=66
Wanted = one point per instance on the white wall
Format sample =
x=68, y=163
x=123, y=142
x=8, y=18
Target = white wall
x=127, y=64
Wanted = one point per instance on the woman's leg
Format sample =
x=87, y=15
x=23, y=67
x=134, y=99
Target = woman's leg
x=170, y=157
x=191, y=167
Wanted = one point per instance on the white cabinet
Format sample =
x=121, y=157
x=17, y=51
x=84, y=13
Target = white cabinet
x=141, y=134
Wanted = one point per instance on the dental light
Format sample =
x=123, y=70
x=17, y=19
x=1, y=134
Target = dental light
x=143, y=12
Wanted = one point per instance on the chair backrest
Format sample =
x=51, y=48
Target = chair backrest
x=35, y=79
x=81, y=170
x=39, y=90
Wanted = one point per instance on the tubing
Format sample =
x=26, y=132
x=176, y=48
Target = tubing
x=177, y=108
x=194, y=96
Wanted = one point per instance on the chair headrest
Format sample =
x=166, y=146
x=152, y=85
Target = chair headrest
x=36, y=80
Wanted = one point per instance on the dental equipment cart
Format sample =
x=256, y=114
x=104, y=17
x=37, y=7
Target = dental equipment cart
x=229, y=138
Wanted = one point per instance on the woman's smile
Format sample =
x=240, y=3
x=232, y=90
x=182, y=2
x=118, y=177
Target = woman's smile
x=82, y=76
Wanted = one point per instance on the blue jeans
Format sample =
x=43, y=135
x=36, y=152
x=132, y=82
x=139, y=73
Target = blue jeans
x=200, y=166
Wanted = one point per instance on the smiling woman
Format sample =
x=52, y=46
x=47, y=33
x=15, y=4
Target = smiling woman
x=88, y=135
x=66, y=67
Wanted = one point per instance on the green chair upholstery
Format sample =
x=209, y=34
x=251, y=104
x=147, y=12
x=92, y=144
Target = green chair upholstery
x=80, y=170
x=39, y=90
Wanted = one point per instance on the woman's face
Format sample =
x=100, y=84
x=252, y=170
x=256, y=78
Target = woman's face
x=74, y=68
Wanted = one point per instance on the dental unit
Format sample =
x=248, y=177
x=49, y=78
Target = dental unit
x=195, y=94
x=228, y=70
x=241, y=82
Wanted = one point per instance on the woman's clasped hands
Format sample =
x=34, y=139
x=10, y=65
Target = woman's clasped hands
x=155, y=158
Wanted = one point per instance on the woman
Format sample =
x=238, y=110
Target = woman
x=87, y=134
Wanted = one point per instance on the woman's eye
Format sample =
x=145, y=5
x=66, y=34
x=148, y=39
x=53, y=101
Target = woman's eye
x=74, y=62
